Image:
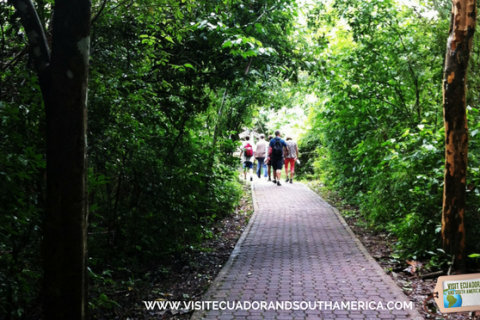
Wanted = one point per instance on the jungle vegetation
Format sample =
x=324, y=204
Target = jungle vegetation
x=123, y=156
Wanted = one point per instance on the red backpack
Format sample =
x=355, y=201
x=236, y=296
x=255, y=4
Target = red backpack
x=248, y=150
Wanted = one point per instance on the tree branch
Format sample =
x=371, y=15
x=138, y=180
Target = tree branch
x=248, y=66
x=35, y=33
x=15, y=59
x=97, y=15
x=412, y=72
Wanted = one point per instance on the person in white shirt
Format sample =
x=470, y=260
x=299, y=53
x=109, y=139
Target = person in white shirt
x=260, y=155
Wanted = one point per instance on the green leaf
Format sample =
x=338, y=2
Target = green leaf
x=227, y=44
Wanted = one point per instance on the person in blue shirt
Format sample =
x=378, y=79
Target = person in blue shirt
x=278, y=146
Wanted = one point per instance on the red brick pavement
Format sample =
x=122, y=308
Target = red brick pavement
x=297, y=248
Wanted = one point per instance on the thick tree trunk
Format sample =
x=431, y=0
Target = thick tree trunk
x=460, y=40
x=63, y=78
x=65, y=231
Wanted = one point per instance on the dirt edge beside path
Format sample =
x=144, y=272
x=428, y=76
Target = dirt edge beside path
x=414, y=312
x=381, y=249
x=198, y=314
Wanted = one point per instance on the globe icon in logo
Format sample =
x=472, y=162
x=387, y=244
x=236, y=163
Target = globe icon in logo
x=451, y=299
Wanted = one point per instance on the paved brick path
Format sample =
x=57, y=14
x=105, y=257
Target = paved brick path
x=296, y=248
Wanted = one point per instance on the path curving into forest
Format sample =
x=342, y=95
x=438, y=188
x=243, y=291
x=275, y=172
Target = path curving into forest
x=298, y=248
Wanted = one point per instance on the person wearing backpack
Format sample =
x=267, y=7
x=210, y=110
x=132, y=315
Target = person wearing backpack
x=246, y=153
x=276, y=158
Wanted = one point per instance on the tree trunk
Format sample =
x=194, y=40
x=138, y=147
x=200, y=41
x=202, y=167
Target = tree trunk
x=63, y=78
x=459, y=44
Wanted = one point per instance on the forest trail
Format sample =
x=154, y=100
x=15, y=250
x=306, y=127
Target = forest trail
x=297, y=248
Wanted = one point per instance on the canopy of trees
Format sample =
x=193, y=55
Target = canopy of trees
x=172, y=83
x=377, y=133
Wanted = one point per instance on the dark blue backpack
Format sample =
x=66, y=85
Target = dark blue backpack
x=277, y=150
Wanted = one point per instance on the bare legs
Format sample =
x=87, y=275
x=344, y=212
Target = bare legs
x=250, y=171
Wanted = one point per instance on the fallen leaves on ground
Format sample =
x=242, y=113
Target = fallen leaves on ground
x=186, y=277
x=380, y=247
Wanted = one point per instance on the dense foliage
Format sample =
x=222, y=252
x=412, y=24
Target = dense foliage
x=378, y=127
x=172, y=83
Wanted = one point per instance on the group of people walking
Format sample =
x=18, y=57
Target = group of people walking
x=272, y=155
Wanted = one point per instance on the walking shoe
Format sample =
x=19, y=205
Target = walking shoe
x=287, y=180
x=274, y=181
x=251, y=178
x=278, y=183
x=269, y=179
x=291, y=180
